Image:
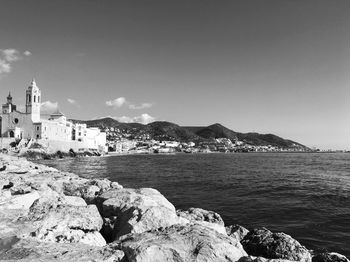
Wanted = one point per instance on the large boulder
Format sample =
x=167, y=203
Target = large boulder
x=262, y=242
x=236, y=231
x=203, y=217
x=135, y=210
x=56, y=221
x=329, y=257
x=189, y=242
x=88, y=189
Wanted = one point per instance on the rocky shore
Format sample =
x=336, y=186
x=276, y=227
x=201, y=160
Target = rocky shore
x=48, y=215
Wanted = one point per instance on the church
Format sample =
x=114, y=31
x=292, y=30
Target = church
x=30, y=125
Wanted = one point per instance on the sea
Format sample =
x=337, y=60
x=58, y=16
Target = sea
x=306, y=195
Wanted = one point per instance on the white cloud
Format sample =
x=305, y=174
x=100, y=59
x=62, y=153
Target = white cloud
x=5, y=67
x=71, y=101
x=124, y=119
x=143, y=119
x=142, y=106
x=49, y=107
x=10, y=55
x=27, y=53
x=121, y=101
x=7, y=57
x=118, y=102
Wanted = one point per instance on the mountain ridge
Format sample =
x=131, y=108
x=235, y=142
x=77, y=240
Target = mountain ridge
x=164, y=130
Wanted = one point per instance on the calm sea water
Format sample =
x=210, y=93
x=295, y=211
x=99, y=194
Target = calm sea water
x=304, y=195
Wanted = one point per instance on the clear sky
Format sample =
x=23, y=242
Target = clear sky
x=272, y=66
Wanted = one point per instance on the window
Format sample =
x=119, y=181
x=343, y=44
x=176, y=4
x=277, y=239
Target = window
x=37, y=136
x=38, y=99
x=37, y=128
x=16, y=120
x=34, y=99
x=79, y=134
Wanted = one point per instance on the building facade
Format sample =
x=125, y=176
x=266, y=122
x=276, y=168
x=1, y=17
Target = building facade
x=29, y=124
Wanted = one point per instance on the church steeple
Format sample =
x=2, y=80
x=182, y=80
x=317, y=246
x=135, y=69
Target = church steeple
x=9, y=98
x=33, y=101
x=33, y=84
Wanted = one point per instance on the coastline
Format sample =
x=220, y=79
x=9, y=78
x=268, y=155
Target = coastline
x=52, y=215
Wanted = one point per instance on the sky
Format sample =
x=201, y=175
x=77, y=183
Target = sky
x=272, y=66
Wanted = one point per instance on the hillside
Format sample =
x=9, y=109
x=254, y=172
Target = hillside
x=162, y=130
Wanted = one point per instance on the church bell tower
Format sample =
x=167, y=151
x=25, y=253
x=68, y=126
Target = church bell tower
x=33, y=101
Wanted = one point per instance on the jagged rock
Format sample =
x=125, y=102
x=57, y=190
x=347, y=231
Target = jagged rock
x=137, y=210
x=260, y=259
x=236, y=231
x=203, y=217
x=88, y=189
x=58, y=222
x=27, y=250
x=20, y=189
x=190, y=242
x=262, y=242
x=329, y=257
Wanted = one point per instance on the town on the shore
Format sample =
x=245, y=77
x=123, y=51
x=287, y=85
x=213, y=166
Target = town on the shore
x=32, y=130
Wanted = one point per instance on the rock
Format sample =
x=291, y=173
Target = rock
x=190, y=242
x=204, y=217
x=236, y=231
x=260, y=259
x=136, y=210
x=88, y=189
x=74, y=201
x=21, y=189
x=199, y=214
x=93, y=238
x=59, y=222
x=27, y=250
x=264, y=243
x=18, y=201
x=116, y=185
x=329, y=257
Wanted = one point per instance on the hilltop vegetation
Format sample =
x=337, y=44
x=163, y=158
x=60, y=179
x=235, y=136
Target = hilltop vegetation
x=167, y=131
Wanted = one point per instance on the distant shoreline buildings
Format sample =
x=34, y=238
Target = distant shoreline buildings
x=56, y=129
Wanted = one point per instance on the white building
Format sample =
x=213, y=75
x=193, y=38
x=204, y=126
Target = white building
x=29, y=124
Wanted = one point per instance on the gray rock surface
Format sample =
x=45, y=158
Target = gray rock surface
x=190, y=242
x=136, y=210
x=203, y=217
x=63, y=223
x=236, y=231
x=329, y=257
x=33, y=251
x=262, y=242
x=261, y=259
